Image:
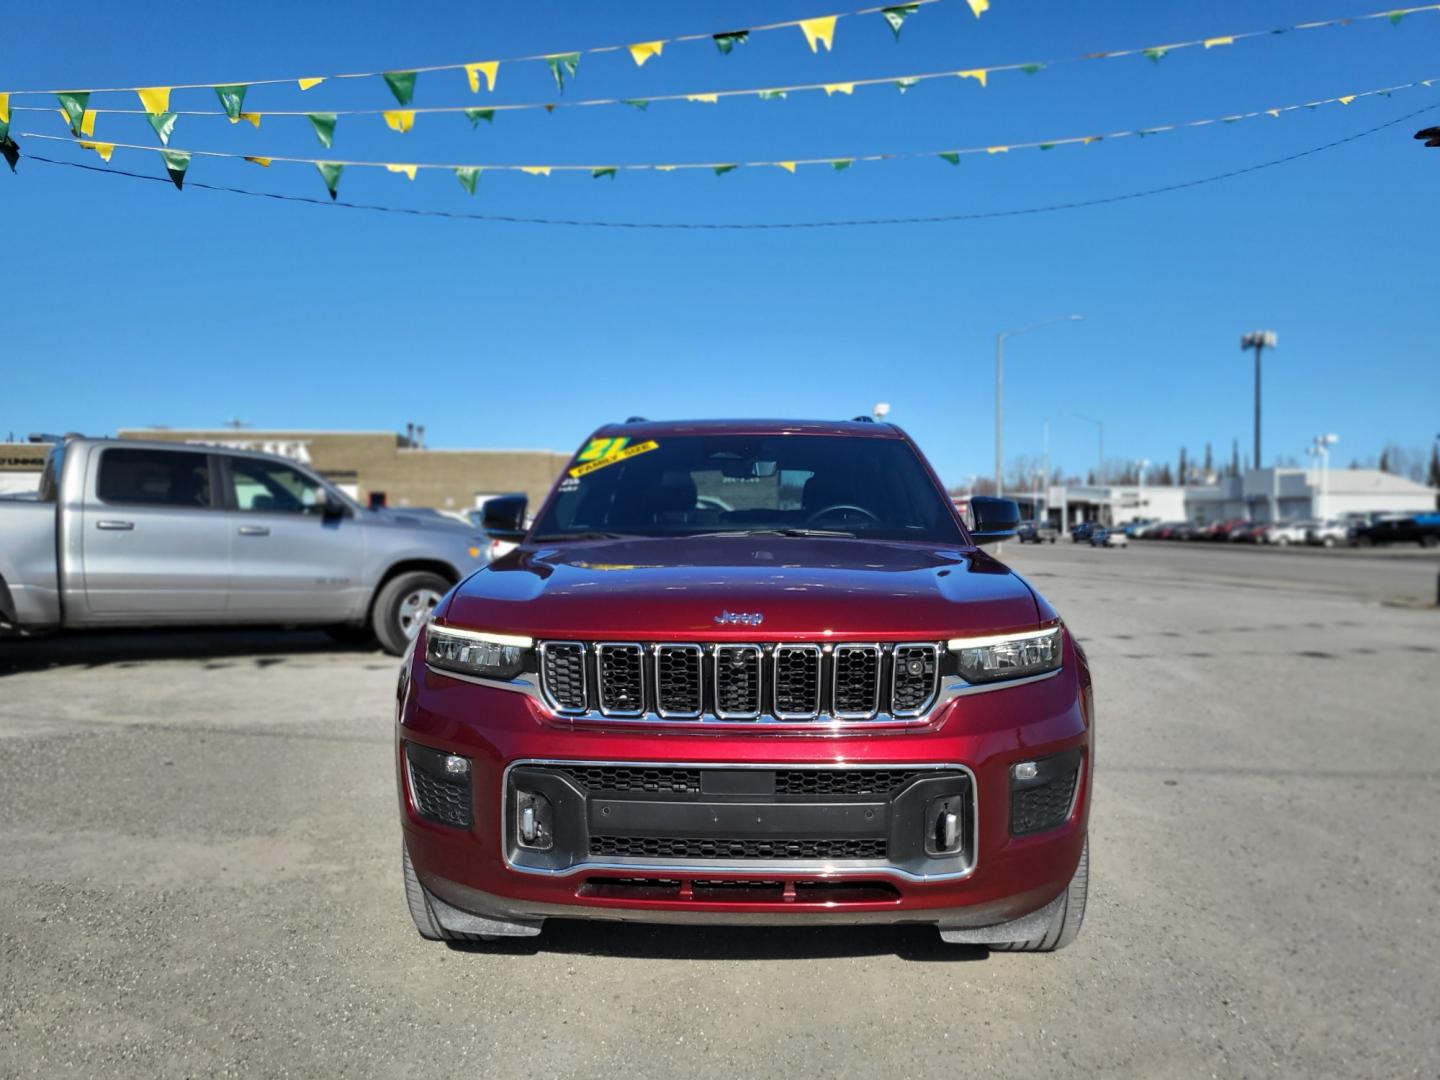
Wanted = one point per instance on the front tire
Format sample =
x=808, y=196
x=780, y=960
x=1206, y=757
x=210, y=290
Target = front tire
x=403, y=605
x=418, y=900
x=1065, y=923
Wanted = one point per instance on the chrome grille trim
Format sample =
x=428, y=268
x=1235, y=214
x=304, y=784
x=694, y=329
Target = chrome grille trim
x=873, y=651
x=929, y=696
x=602, y=651
x=775, y=681
x=550, y=699
x=756, y=666
x=698, y=654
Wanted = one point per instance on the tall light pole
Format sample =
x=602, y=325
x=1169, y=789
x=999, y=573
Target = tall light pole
x=1322, y=446
x=1141, y=466
x=1259, y=340
x=1000, y=388
x=1100, y=461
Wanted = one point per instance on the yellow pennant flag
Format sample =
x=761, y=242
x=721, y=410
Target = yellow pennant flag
x=1346, y=99
x=819, y=31
x=263, y=162
x=980, y=75
x=87, y=122
x=104, y=149
x=788, y=166
x=253, y=117
x=839, y=88
x=306, y=84
x=1273, y=112
x=709, y=99
x=408, y=170
x=155, y=99
x=979, y=7
x=997, y=150
x=645, y=50
x=536, y=170
x=665, y=168
x=401, y=120
x=1210, y=43
x=5, y=108
x=1089, y=139
x=488, y=68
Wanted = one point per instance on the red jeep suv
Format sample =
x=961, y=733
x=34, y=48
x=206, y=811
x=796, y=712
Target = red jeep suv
x=747, y=672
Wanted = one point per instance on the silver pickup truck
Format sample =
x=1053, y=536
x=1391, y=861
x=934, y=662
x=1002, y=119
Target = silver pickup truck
x=129, y=533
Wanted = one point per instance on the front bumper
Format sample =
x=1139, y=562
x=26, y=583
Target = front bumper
x=478, y=871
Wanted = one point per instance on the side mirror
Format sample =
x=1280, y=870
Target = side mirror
x=995, y=519
x=327, y=508
x=503, y=517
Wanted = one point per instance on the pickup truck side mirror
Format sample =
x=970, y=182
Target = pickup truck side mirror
x=503, y=518
x=995, y=519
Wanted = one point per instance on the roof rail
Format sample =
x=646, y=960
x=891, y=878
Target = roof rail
x=636, y=420
x=863, y=420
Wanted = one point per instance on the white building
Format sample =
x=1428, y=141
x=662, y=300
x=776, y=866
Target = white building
x=1258, y=495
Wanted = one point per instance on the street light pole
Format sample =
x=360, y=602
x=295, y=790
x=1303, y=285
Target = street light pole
x=1259, y=340
x=1000, y=389
x=1323, y=444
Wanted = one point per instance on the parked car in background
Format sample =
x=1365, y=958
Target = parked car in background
x=1037, y=532
x=1103, y=537
x=130, y=533
x=1289, y=532
x=1328, y=533
x=1221, y=530
x=1136, y=529
x=1422, y=529
x=1252, y=532
x=1081, y=532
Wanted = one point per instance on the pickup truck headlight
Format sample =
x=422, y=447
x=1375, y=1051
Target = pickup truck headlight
x=473, y=652
x=1010, y=656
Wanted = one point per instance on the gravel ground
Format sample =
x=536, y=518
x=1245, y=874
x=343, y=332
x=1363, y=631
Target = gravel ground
x=199, y=869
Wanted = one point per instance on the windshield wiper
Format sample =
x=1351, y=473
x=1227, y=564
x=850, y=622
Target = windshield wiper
x=592, y=535
x=775, y=532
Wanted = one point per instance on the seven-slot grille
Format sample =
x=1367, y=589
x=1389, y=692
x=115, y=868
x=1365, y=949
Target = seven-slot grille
x=791, y=682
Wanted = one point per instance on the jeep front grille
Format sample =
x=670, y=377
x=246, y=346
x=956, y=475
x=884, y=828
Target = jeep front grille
x=793, y=682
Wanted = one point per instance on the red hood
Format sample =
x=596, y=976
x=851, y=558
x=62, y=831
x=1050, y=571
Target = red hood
x=805, y=588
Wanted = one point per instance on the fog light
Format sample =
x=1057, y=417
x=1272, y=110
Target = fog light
x=456, y=765
x=1027, y=770
x=534, y=821
x=944, y=832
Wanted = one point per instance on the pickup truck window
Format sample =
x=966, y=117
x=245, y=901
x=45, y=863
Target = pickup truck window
x=265, y=487
x=691, y=484
x=178, y=478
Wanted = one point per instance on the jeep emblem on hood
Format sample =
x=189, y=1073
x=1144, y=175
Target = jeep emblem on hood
x=740, y=618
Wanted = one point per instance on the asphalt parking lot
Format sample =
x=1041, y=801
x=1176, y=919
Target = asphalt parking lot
x=199, y=869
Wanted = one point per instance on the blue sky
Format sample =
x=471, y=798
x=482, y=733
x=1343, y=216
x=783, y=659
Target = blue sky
x=128, y=303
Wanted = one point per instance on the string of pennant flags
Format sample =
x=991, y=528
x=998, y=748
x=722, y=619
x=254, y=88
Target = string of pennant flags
x=817, y=30
x=77, y=113
x=177, y=162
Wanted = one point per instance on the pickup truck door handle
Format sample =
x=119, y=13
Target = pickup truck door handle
x=116, y=526
x=254, y=530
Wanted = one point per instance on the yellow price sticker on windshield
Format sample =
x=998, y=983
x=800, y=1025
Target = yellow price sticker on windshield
x=602, y=452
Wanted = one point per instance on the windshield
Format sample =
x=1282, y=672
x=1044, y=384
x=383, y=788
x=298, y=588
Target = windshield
x=794, y=484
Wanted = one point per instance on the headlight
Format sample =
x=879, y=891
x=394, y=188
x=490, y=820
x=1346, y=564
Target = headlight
x=1010, y=656
x=471, y=652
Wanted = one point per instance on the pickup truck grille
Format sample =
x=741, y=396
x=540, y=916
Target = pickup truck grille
x=740, y=682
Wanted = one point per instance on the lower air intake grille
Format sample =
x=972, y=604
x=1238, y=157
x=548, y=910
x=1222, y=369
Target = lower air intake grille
x=1043, y=806
x=437, y=795
x=668, y=847
x=845, y=781
x=626, y=778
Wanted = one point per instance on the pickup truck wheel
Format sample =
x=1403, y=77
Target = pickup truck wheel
x=402, y=607
x=421, y=913
x=1065, y=923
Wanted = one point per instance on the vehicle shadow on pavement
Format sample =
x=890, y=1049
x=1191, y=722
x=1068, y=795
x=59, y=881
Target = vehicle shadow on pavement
x=637, y=941
x=265, y=646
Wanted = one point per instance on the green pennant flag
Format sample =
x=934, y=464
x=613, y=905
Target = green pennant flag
x=561, y=65
x=721, y=170
x=951, y=156
x=841, y=164
x=232, y=100
x=609, y=171
x=10, y=151
x=74, y=104
x=1395, y=17
x=636, y=103
x=164, y=125
x=402, y=85
x=330, y=173
x=770, y=95
x=726, y=42
x=1156, y=54
x=904, y=84
x=476, y=115
x=4, y=127
x=897, y=15
x=467, y=175
x=1031, y=69
x=176, y=162
x=1047, y=146
x=324, y=125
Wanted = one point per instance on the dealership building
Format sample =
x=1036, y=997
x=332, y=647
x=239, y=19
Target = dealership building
x=371, y=466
